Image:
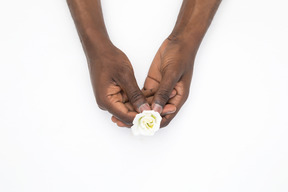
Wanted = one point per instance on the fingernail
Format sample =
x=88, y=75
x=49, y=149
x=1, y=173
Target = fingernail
x=173, y=93
x=144, y=107
x=169, y=112
x=158, y=108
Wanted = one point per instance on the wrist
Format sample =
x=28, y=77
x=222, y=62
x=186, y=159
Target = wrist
x=90, y=25
x=188, y=44
x=95, y=42
x=194, y=20
x=190, y=33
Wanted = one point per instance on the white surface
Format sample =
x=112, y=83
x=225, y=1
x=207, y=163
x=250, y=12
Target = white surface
x=231, y=135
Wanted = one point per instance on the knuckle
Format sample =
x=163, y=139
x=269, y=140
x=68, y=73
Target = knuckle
x=128, y=121
x=101, y=103
x=135, y=96
x=165, y=123
x=167, y=119
x=124, y=70
x=125, y=119
x=102, y=107
x=173, y=74
x=185, y=97
x=124, y=74
x=163, y=95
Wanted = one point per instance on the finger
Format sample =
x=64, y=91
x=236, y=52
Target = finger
x=119, y=122
x=124, y=97
x=168, y=109
x=167, y=119
x=151, y=82
x=150, y=86
x=134, y=94
x=168, y=82
x=148, y=92
x=114, y=119
x=173, y=93
x=149, y=100
x=178, y=100
x=168, y=116
x=151, y=92
x=120, y=111
x=129, y=106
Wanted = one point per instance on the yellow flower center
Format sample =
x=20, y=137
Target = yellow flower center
x=148, y=121
x=150, y=124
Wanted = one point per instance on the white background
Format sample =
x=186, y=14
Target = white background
x=230, y=136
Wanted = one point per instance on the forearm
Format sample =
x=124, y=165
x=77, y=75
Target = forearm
x=88, y=18
x=194, y=19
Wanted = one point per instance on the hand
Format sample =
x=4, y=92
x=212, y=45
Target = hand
x=114, y=84
x=169, y=78
x=167, y=84
x=172, y=66
x=168, y=81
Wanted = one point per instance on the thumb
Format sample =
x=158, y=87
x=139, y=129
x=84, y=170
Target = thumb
x=167, y=84
x=136, y=98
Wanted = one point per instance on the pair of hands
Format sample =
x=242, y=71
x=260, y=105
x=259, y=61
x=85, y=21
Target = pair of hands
x=165, y=90
x=168, y=81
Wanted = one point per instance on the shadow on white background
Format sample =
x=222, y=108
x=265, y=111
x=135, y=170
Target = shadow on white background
x=231, y=135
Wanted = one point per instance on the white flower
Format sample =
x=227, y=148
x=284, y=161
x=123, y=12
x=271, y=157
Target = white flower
x=146, y=123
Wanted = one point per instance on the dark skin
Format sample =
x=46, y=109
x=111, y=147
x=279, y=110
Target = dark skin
x=111, y=72
x=168, y=81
